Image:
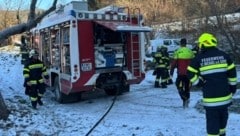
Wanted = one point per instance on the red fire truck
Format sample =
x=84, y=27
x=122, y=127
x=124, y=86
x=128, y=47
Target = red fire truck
x=90, y=50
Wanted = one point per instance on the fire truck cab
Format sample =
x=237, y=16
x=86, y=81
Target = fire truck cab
x=90, y=50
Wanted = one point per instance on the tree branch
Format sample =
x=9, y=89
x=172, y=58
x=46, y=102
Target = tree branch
x=32, y=21
x=32, y=14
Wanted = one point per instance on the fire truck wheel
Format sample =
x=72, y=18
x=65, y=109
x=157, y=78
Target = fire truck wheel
x=57, y=92
x=125, y=88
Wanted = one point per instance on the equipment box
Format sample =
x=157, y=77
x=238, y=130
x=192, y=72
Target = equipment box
x=109, y=55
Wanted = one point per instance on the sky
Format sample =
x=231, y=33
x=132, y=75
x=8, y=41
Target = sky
x=144, y=111
x=42, y=4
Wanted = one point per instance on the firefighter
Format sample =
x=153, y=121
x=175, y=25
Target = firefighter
x=181, y=60
x=164, y=51
x=160, y=69
x=216, y=73
x=34, y=71
x=24, y=50
x=25, y=56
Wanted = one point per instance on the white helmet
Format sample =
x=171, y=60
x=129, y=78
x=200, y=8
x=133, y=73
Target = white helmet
x=33, y=53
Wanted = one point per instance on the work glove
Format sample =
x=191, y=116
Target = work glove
x=154, y=73
x=29, y=84
x=27, y=90
x=233, y=89
x=46, y=81
x=24, y=84
x=46, y=76
x=201, y=82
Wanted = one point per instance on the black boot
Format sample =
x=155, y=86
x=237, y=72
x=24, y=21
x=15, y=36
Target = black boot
x=34, y=104
x=156, y=84
x=40, y=101
x=163, y=85
x=170, y=82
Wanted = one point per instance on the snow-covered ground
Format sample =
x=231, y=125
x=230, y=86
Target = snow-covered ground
x=144, y=111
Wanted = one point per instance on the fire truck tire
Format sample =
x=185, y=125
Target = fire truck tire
x=125, y=88
x=59, y=96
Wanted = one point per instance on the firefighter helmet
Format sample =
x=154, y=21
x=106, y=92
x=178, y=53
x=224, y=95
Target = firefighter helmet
x=207, y=40
x=33, y=53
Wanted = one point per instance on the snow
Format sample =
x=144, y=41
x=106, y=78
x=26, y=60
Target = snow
x=144, y=111
x=195, y=23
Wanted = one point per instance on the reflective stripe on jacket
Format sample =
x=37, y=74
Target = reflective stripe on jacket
x=24, y=53
x=218, y=72
x=160, y=60
x=34, y=71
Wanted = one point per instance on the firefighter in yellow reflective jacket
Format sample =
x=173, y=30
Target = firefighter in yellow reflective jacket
x=216, y=73
x=34, y=71
x=181, y=59
x=160, y=68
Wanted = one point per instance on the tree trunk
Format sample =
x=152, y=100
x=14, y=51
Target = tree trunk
x=4, y=112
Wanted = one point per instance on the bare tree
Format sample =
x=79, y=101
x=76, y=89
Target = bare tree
x=19, y=8
x=33, y=19
x=224, y=27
